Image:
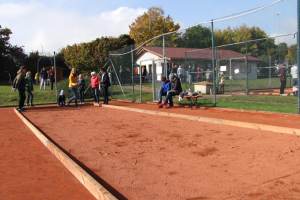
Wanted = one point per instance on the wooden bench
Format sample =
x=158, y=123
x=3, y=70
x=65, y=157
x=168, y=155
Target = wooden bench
x=192, y=99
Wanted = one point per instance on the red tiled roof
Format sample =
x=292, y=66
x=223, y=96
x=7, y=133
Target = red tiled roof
x=201, y=54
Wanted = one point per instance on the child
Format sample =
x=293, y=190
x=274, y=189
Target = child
x=95, y=86
x=81, y=88
x=29, y=89
x=61, y=99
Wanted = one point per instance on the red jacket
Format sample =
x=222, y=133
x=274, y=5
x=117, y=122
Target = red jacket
x=94, y=82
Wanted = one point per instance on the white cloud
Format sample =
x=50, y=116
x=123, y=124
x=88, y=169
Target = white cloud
x=36, y=26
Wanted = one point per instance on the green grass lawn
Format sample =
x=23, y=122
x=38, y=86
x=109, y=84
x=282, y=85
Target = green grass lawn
x=264, y=103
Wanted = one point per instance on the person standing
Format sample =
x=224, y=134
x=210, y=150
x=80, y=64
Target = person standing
x=29, y=89
x=73, y=84
x=105, y=84
x=282, y=77
x=51, y=74
x=180, y=73
x=294, y=73
x=19, y=84
x=44, y=76
x=81, y=88
x=95, y=86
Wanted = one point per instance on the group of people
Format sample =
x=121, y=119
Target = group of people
x=45, y=77
x=24, y=84
x=77, y=87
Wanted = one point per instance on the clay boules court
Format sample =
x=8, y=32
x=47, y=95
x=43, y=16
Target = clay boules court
x=135, y=155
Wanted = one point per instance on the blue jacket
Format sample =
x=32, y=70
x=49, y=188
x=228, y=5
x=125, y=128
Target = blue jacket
x=166, y=86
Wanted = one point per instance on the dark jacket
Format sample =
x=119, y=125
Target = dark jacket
x=44, y=74
x=19, y=82
x=105, y=82
x=81, y=85
x=176, y=86
x=29, y=84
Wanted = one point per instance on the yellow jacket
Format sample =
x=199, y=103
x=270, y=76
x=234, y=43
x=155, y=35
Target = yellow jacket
x=72, y=81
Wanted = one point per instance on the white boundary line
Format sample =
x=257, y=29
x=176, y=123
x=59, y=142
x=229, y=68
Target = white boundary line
x=255, y=126
x=93, y=186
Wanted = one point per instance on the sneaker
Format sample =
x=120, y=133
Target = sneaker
x=161, y=106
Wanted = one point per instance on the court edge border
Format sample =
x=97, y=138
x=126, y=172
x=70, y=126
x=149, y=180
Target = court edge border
x=255, y=126
x=93, y=186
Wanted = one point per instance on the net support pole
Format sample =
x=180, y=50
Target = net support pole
x=153, y=72
x=213, y=62
x=55, y=74
x=132, y=74
x=270, y=71
x=118, y=79
x=141, y=83
x=247, y=70
x=164, y=57
x=298, y=52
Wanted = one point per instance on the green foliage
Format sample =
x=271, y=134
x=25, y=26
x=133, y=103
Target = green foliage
x=292, y=54
x=10, y=56
x=153, y=23
x=90, y=56
x=195, y=37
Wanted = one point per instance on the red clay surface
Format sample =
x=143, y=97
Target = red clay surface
x=146, y=157
x=275, y=119
x=28, y=171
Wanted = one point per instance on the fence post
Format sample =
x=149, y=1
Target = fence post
x=153, y=72
x=246, y=66
x=55, y=74
x=270, y=71
x=132, y=74
x=141, y=82
x=213, y=61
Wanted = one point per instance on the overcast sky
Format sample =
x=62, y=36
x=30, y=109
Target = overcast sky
x=49, y=25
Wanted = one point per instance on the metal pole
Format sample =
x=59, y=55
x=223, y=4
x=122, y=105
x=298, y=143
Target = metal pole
x=230, y=76
x=298, y=53
x=270, y=71
x=213, y=62
x=153, y=72
x=141, y=82
x=55, y=74
x=164, y=56
x=132, y=74
x=247, y=74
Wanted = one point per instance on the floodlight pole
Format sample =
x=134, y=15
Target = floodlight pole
x=213, y=61
x=55, y=73
x=298, y=53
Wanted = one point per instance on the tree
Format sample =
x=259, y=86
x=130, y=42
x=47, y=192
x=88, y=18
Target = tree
x=292, y=54
x=10, y=56
x=195, y=37
x=92, y=55
x=153, y=23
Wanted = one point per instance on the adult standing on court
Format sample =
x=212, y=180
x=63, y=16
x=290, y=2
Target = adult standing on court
x=51, y=74
x=44, y=76
x=105, y=84
x=180, y=73
x=19, y=84
x=95, y=86
x=282, y=77
x=294, y=73
x=73, y=87
x=29, y=89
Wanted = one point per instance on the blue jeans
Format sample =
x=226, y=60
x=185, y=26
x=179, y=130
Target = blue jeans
x=74, y=95
x=96, y=95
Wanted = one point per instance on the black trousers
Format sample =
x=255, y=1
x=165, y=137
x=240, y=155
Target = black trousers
x=22, y=98
x=282, y=86
x=161, y=95
x=105, y=94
